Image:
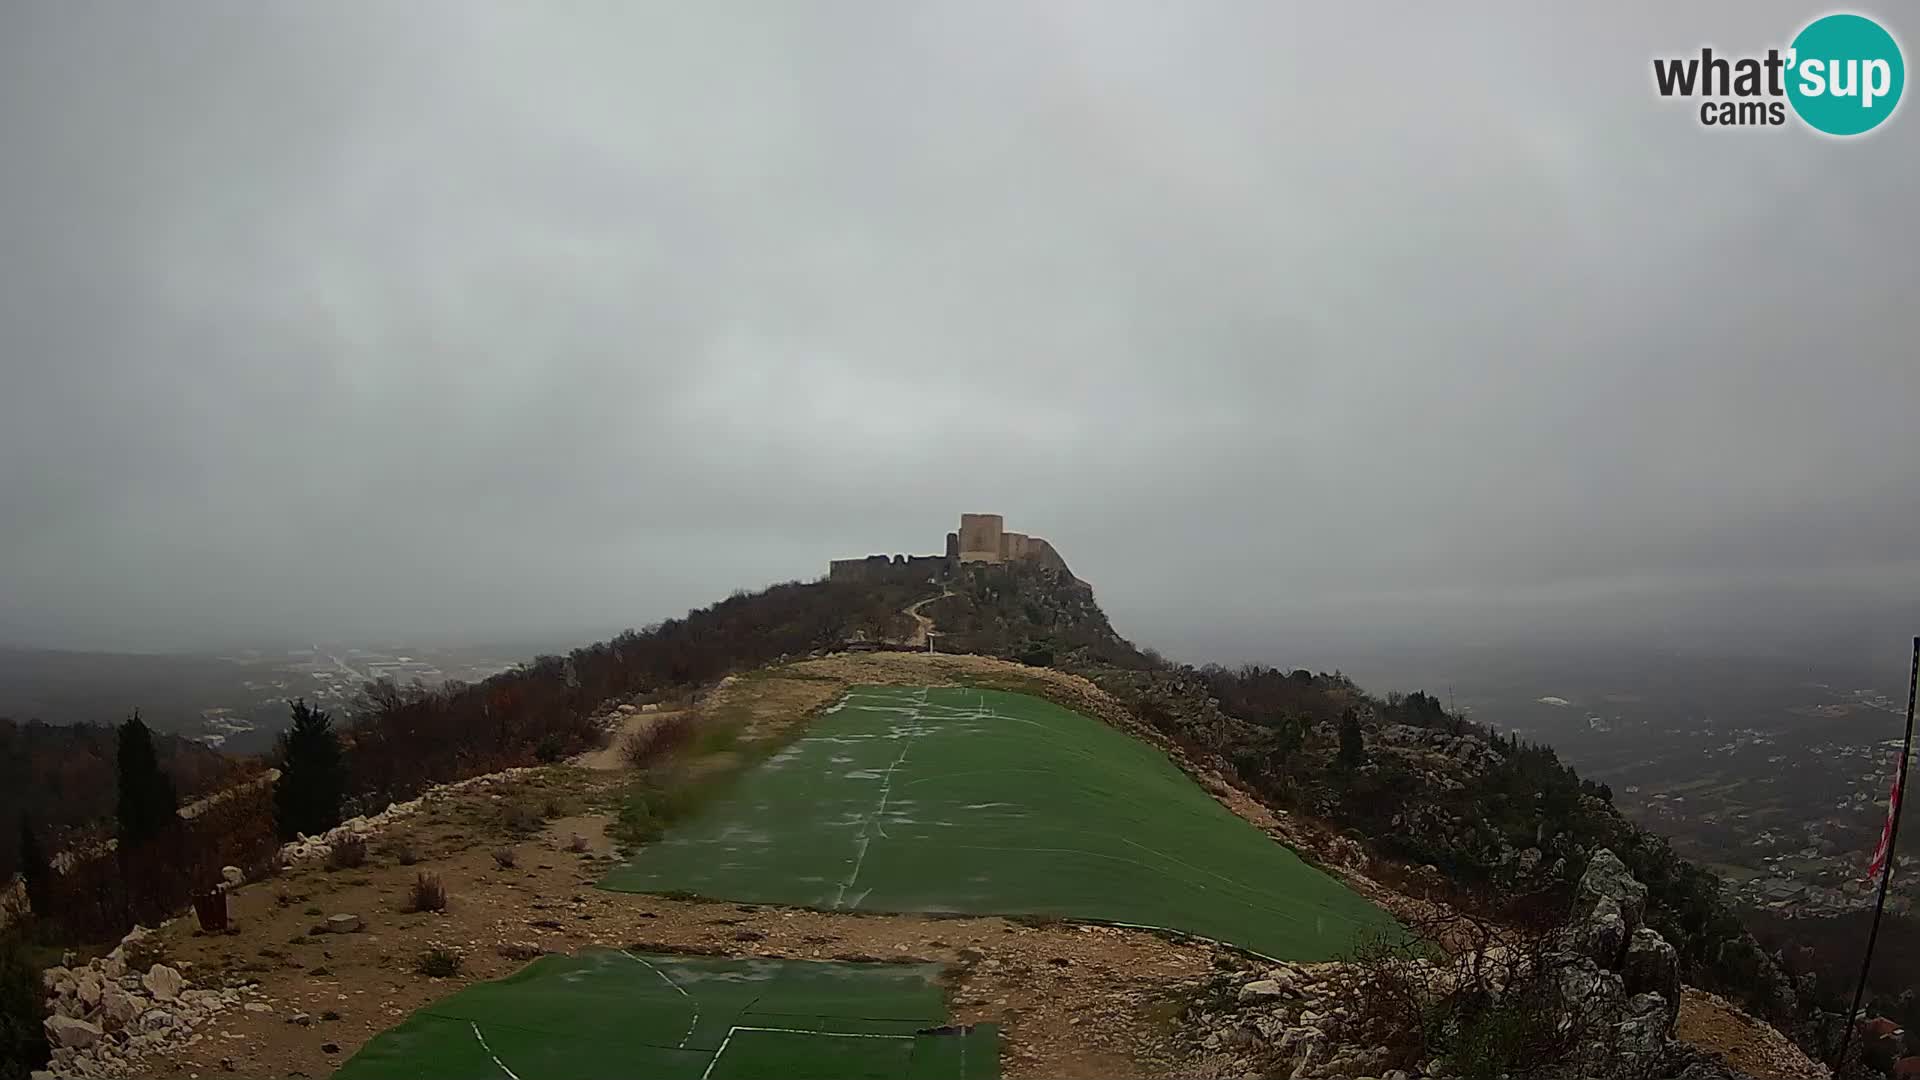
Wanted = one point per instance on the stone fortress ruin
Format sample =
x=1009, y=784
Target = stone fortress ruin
x=981, y=538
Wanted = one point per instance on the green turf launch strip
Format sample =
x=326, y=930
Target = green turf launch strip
x=610, y=1013
x=983, y=802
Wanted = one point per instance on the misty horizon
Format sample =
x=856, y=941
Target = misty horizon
x=495, y=324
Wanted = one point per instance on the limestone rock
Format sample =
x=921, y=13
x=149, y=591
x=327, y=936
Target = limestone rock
x=67, y=1031
x=118, y=1008
x=163, y=982
x=1261, y=989
x=342, y=924
x=1602, y=936
x=1607, y=878
x=233, y=876
x=1652, y=966
x=87, y=987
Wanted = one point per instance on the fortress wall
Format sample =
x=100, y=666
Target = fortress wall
x=877, y=568
x=1039, y=551
x=1013, y=545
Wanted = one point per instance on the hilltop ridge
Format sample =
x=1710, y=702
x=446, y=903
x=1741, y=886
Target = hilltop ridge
x=1413, y=807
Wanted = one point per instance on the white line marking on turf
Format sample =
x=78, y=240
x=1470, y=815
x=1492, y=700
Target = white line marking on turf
x=496, y=1058
x=683, y=993
x=791, y=1031
x=874, y=820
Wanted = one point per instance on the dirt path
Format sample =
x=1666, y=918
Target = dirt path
x=923, y=624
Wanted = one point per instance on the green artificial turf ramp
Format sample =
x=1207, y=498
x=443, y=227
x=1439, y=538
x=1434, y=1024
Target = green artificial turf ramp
x=610, y=1013
x=983, y=802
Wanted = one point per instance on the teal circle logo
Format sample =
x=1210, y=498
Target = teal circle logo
x=1845, y=74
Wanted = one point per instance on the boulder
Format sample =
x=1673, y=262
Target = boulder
x=1607, y=879
x=1261, y=990
x=154, y=1020
x=1652, y=966
x=117, y=1008
x=1641, y=1037
x=1602, y=935
x=67, y=1031
x=163, y=982
x=87, y=987
x=233, y=876
x=342, y=924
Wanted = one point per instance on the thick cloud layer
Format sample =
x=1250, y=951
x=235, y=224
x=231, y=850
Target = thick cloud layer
x=484, y=320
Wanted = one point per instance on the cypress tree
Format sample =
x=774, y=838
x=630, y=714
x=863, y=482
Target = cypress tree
x=148, y=804
x=306, y=798
x=1353, y=749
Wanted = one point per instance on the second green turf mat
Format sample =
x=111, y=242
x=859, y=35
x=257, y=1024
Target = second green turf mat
x=609, y=1013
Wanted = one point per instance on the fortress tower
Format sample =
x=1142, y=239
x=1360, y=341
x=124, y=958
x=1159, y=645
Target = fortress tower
x=982, y=538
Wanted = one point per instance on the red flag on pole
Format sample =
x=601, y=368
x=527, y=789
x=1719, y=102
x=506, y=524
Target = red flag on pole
x=1879, y=862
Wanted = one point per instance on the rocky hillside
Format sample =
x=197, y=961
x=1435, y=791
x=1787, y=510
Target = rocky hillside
x=1441, y=807
x=1597, y=998
x=1414, y=807
x=335, y=946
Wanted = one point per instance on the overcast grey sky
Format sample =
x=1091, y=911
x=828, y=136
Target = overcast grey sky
x=1284, y=322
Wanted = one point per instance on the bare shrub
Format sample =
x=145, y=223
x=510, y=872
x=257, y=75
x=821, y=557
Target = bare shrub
x=438, y=962
x=347, y=853
x=657, y=740
x=521, y=818
x=504, y=858
x=403, y=852
x=1506, y=1001
x=142, y=954
x=427, y=894
x=578, y=844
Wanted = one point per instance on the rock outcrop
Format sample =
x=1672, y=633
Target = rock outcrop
x=104, y=1019
x=1606, y=983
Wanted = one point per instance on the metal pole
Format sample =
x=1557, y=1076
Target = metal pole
x=1886, y=872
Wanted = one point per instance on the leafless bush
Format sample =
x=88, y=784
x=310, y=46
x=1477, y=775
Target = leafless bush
x=1496, y=1000
x=439, y=962
x=578, y=844
x=427, y=894
x=504, y=858
x=521, y=818
x=649, y=744
x=142, y=954
x=347, y=853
